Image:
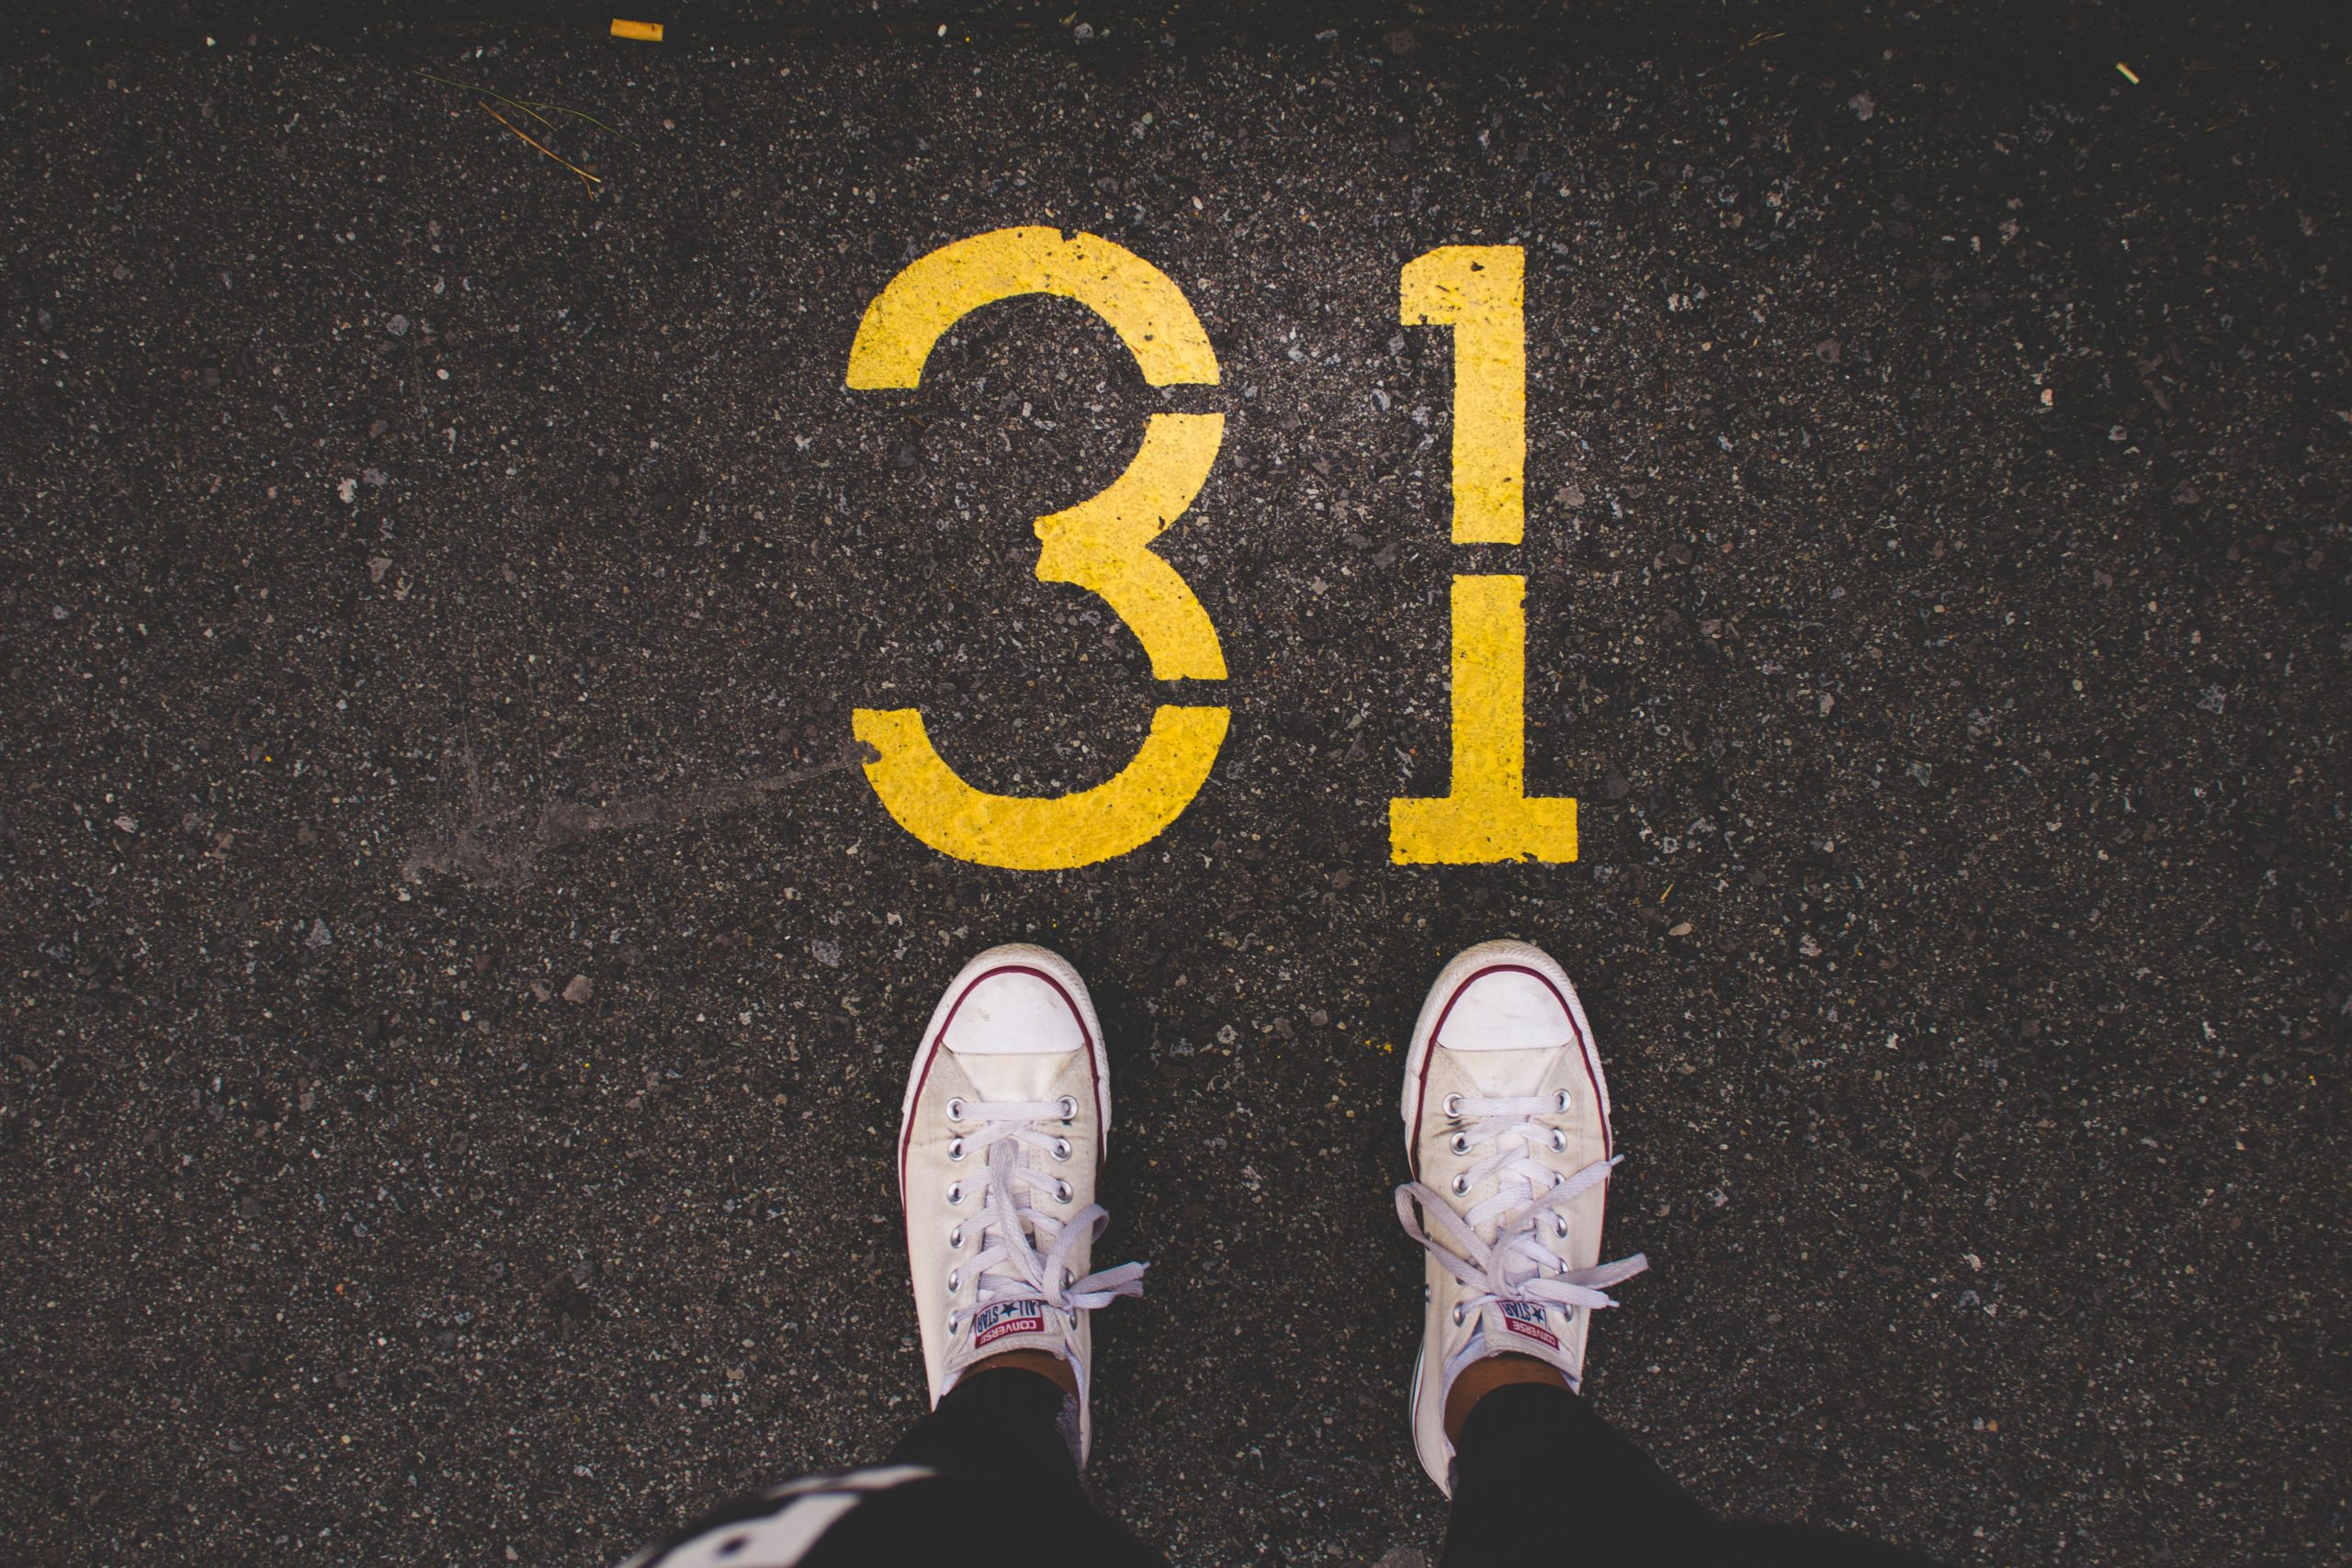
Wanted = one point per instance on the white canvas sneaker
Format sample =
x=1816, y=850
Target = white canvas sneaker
x=999, y=1138
x=1507, y=1123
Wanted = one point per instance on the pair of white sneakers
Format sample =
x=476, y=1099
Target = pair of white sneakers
x=1006, y=1120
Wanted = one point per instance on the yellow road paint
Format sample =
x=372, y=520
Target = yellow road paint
x=1487, y=816
x=1103, y=545
x=1048, y=833
x=1142, y=305
x=1481, y=292
x=643, y=32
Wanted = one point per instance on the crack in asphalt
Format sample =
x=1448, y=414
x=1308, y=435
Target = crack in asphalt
x=476, y=852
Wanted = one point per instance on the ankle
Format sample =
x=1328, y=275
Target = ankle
x=1483, y=1376
x=1043, y=1363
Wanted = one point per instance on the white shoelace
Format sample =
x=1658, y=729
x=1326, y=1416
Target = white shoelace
x=1010, y=1228
x=1529, y=1200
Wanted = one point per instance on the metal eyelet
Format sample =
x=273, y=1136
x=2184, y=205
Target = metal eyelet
x=1061, y=1192
x=956, y=1236
x=954, y=1279
x=1454, y=1105
x=1559, y=1142
x=1462, y=1186
x=1068, y=1105
x=956, y=1108
x=954, y=1148
x=1560, y=1225
x=1061, y=1148
x=1459, y=1143
x=1565, y=1099
x=1460, y=1317
x=955, y=1192
x=954, y=1321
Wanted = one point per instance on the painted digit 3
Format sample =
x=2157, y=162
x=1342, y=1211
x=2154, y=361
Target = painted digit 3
x=1103, y=543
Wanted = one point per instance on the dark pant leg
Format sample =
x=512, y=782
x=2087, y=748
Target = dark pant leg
x=1538, y=1478
x=1004, y=1440
x=986, y=1478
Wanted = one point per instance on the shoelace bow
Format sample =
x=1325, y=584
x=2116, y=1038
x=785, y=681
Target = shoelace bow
x=1516, y=1265
x=1009, y=1265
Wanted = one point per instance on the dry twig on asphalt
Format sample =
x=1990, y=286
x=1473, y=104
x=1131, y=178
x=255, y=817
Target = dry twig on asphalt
x=533, y=105
x=593, y=181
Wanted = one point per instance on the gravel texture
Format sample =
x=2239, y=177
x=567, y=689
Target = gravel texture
x=460, y=984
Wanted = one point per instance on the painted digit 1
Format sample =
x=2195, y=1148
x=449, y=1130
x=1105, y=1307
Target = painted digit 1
x=1486, y=815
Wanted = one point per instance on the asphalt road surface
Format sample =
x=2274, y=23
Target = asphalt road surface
x=460, y=979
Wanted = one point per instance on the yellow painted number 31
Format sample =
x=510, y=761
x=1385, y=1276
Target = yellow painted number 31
x=1103, y=544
